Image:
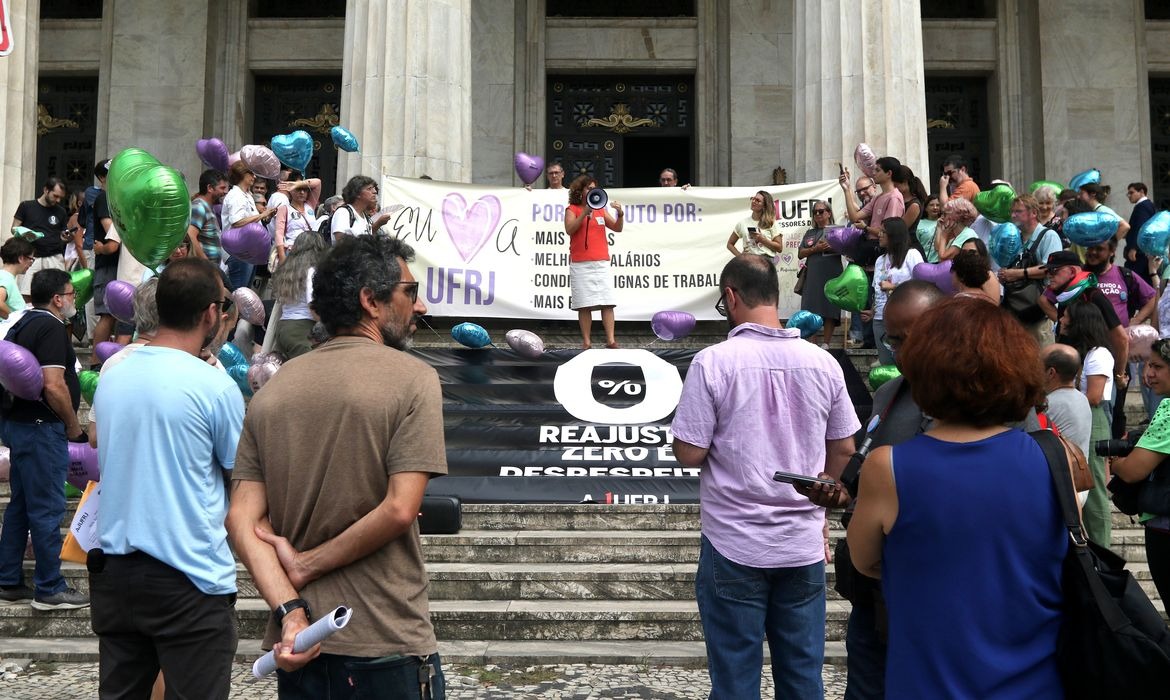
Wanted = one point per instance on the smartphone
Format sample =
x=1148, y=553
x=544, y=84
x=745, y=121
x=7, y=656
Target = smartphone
x=751, y=231
x=840, y=168
x=801, y=479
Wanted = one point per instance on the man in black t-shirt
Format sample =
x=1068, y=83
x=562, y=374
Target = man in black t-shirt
x=105, y=268
x=37, y=433
x=46, y=216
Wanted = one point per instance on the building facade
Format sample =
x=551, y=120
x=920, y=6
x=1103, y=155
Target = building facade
x=727, y=92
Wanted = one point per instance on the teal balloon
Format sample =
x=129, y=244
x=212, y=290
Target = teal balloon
x=472, y=335
x=806, y=321
x=881, y=374
x=1045, y=183
x=1154, y=235
x=850, y=289
x=1090, y=228
x=236, y=365
x=239, y=374
x=344, y=139
x=996, y=203
x=1090, y=176
x=150, y=205
x=294, y=150
x=1005, y=243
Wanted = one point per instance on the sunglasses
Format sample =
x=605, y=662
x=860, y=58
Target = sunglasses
x=820, y=211
x=225, y=305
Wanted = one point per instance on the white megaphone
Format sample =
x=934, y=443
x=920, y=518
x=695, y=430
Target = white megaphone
x=597, y=198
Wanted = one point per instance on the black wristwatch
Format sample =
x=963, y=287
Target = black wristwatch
x=286, y=608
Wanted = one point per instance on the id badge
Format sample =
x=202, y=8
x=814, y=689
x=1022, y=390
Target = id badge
x=600, y=220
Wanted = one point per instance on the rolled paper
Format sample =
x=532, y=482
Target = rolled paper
x=307, y=638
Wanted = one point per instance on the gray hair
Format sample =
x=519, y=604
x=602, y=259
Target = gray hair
x=1045, y=196
x=145, y=307
x=329, y=205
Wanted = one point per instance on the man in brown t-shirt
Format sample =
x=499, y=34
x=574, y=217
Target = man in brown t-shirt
x=335, y=456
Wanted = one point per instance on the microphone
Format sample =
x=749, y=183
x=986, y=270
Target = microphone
x=852, y=471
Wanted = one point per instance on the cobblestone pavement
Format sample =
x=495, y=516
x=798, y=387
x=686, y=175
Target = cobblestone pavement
x=43, y=680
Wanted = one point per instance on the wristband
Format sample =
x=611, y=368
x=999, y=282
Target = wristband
x=285, y=608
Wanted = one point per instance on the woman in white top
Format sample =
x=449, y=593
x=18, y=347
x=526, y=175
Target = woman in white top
x=353, y=218
x=238, y=210
x=891, y=269
x=297, y=216
x=1083, y=327
x=292, y=285
x=759, y=234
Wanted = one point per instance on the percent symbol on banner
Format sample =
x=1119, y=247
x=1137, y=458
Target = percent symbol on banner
x=625, y=385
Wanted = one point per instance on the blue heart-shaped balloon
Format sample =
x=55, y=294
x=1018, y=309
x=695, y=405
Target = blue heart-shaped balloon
x=344, y=139
x=1090, y=176
x=1154, y=235
x=806, y=321
x=1005, y=243
x=1090, y=228
x=472, y=335
x=294, y=150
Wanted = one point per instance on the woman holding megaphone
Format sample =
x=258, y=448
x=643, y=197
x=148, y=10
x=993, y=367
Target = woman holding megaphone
x=589, y=256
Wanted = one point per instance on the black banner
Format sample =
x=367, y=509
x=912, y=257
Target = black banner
x=573, y=426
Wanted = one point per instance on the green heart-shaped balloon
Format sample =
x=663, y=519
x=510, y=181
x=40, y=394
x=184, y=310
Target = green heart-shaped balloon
x=849, y=290
x=89, y=381
x=1046, y=183
x=996, y=204
x=881, y=374
x=82, y=281
x=149, y=204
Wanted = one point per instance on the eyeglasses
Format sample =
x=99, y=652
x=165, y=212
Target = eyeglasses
x=862, y=190
x=410, y=289
x=820, y=211
x=948, y=173
x=67, y=294
x=892, y=342
x=721, y=305
x=225, y=305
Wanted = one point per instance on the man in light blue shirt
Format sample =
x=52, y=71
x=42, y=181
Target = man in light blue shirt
x=162, y=582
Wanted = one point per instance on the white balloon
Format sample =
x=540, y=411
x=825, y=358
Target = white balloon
x=525, y=343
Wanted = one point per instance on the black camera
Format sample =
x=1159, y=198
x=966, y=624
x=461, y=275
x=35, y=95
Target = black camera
x=1118, y=448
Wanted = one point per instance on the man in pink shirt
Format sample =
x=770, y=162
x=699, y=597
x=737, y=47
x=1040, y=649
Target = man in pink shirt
x=762, y=401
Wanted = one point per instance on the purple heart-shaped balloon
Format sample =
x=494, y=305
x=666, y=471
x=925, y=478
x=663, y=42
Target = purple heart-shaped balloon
x=213, y=153
x=20, y=372
x=845, y=240
x=120, y=300
x=528, y=168
x=672, y=325
x=938, y=274
x=106, y=349
x=249, y=242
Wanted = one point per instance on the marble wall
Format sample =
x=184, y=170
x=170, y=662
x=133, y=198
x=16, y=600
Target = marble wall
x=18, y=131
x=493, y=86
x=156, y=84
x=761, y=98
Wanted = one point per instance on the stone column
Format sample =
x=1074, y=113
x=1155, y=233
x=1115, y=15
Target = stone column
x=1095, y=90
x=406, y=89
x=18, y=114
x=157, y=81
x=857, y=77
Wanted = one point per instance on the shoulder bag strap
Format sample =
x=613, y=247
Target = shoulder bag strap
x=1062, y=479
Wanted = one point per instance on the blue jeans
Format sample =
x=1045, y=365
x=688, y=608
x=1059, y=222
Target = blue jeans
x=741, y=605
x=239, y=273
x=332, y=676
x=866, y=662
x=40, y=460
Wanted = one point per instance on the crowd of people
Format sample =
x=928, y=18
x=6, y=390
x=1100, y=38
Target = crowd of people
x=931, y=552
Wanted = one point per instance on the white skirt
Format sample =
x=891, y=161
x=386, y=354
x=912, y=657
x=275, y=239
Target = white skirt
x=590, y=284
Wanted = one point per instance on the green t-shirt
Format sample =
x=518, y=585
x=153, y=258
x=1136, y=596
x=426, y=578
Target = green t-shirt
x=925, y=233
x=14, y=300
x=1157, y=439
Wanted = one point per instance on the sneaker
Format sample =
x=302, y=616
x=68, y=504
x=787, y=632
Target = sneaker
x=11, y=595
x=68, y=599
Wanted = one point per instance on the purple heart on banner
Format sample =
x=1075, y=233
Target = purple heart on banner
x=470, y=227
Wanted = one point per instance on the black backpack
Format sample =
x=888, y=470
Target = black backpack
x=325, y=228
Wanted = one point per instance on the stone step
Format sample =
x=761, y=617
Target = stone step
x=532, y=546
x=471, y=620
x=557, y=581
x=480, y=653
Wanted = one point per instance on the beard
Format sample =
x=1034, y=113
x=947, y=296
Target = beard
x=398, y=335
x=69, y=311
x=213, y=342
x=1097, y=269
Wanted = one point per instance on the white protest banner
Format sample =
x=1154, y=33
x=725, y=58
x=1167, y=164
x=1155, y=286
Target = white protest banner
x=502, y=252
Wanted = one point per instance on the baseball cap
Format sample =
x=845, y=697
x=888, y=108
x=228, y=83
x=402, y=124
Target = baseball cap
x=1061, y=258
x=102, y=168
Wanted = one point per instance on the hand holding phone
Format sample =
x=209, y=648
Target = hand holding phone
x=801, y=480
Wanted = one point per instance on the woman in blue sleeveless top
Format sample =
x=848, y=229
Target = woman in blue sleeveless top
x=961, y=523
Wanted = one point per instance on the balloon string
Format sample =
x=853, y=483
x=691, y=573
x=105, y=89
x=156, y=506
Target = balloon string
x=650, y=343
x=424, y=322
